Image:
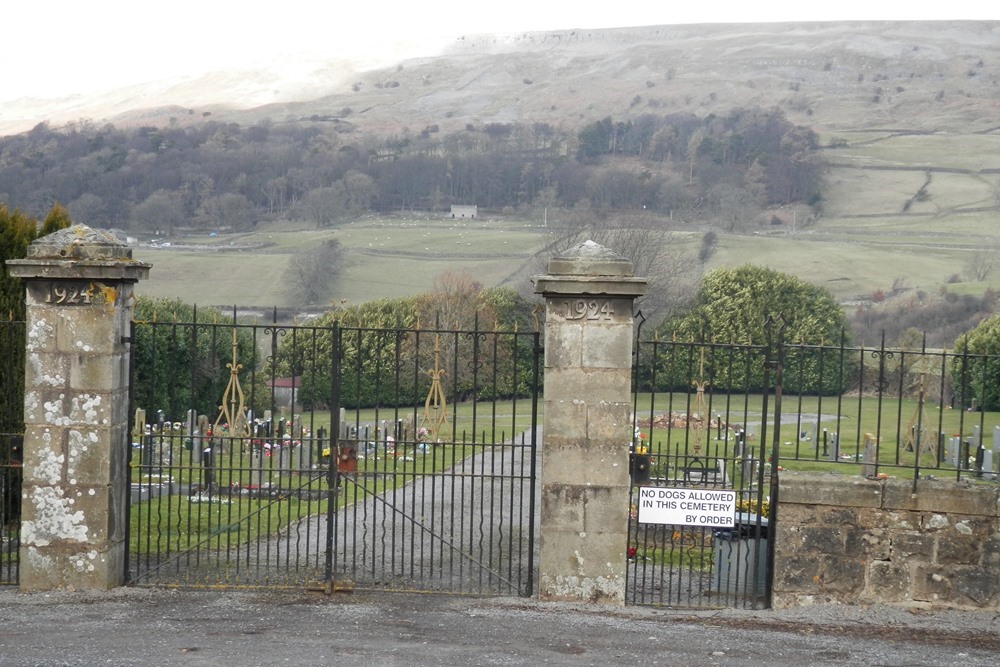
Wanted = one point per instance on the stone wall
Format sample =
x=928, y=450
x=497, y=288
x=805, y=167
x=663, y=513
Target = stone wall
x=855, y=541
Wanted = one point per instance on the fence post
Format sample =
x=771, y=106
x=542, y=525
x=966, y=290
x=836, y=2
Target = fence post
x=79, y=299
x=589, y=297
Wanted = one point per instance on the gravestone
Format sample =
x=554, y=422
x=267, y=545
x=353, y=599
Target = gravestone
x=833, y=445
x=954, y=451
x=868, y=457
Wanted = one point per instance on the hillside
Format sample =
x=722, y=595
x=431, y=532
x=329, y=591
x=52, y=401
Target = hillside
x=907, y=115
x=835, y=77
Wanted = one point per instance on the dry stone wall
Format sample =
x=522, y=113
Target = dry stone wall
x=857, y=541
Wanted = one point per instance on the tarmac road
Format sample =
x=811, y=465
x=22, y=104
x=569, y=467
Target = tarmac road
x=152, y=627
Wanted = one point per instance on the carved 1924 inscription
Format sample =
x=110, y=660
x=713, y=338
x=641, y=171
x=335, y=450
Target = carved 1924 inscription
x=589, y=309
x=68, y=294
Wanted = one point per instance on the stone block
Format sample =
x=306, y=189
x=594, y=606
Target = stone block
x=608, y=346
x=932, y=583
x=606, y=510
x=797, y=515
x=89, y=409
x=822, y=540
x=46, y=370
x=911, y=545
x=597, y=590
x=562, y=508
x=790, y=539
x=591, y=385
x=944, y=497
x=565, y=419
x=887, y=582
x=797, y=573
x=837, y=516
x=869, y=518
x=88, y=457
x=50, y=515
x=563, y=345
x=991, y=550
x=871, y=544
x=610, y=422
x=86, y=330
x=91, y=568
x=95, y=373
x=976, y=586
x=580, y=463
x=44, y=458
x=843, y=575
x=954, y=548
x=829, y=489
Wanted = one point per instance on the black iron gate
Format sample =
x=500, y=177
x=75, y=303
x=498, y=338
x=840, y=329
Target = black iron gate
x=704, y=415
x=331, y=456
x=12, y=342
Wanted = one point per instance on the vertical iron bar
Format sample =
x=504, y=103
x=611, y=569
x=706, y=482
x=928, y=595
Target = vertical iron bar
x=535, y=373
x=333, y=471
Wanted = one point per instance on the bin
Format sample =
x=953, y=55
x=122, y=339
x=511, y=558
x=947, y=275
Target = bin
x=740, y=565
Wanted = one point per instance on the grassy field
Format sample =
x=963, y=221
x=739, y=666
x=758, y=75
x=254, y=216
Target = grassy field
x=866, y=238
x=388, y=257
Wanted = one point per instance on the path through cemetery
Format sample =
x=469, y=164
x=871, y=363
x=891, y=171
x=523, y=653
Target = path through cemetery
x=464, y=529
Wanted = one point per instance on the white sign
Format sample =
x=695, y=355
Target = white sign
x=687, y=507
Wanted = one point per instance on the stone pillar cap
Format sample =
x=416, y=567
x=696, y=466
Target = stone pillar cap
x=79, y=252
x=79, y=242
x=590, y=259
x=590, y=269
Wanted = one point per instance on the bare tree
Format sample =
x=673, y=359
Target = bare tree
x=325, y=206
x=229, y=211
x=980, y=263
x=669, y=260
x=159, y=212
x=309, y=274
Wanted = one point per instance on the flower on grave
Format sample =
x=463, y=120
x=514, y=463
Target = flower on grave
x=639, y=442
x=422, y=433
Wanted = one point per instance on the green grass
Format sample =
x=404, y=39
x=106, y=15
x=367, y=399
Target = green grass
x=391, y=257
x=889, y=420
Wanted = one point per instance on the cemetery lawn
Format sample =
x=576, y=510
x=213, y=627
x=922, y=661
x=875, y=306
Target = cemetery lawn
x=804, y=420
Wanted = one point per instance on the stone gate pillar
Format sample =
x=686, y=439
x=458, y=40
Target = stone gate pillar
x=79, y=302
x=589, y=295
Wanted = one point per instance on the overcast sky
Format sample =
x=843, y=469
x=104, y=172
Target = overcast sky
x=60, y=47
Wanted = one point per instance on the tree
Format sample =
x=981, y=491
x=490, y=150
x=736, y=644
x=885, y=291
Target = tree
x=309, y=274
x=161, y=211
x=753, y=305
x=89, y=209
x=981, y=262
x=387, y=346
x=975, y=368
x=709, y=243
x=325, y=206
x=595, y=139
x=17, y=231
x=359, y=190
x=181, y=357
x=229, y=211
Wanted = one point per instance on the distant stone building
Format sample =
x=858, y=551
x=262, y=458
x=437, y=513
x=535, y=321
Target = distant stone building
x=464, y=211
x=286, y=391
